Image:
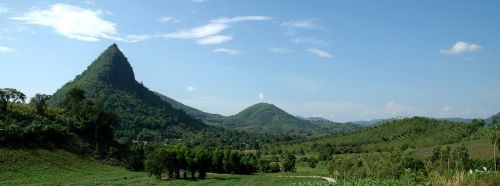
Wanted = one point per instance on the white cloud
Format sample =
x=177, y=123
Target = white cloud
x=166, y=19
x=5, y=49
x=197, y=1
x=90, y=2
x=190, y=88
x=311, y=40
x=303, y=24
x=461, y=47
x=227, y=51
x=393, y=108
x=4, y=9
x=261, y=96
x=279, y=50
x=320, y=53
x=212, y=40
x=240, y=19
x=210, y=32
x=199, y=32
x=76, y=23
x=446, y=109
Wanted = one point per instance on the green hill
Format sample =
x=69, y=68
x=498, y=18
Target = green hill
x=493, y=119
x=410, y=132
x=267, y=118
x=143, y=114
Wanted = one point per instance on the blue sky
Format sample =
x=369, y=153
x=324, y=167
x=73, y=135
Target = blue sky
x=341, y=60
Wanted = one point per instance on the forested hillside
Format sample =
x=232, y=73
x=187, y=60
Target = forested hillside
x=143, y=115
x=267, y=118
x=404, y=133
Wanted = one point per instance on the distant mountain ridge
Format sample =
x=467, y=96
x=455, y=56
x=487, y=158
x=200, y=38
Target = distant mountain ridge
x=268, y=118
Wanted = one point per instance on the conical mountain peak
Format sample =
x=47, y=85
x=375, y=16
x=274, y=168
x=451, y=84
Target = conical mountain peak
x=111, y=67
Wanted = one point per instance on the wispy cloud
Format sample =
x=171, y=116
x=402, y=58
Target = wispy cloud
x=166, y=19
x=190, y=88
x=279, y=50
x=213, y=40
x=229, y=51
x=461, y=47
x=320, y=53
x=90, y=2
x=197, y=1
x=301, y=24
x=4, y=9
x=199, y=32
x=210, y=32
x=311, y=40
x=446, y=109
x=261, y=96
x=76, y=23
x=5, y=49
x=240, y=19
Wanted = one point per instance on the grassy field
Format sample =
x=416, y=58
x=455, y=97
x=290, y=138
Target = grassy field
x=480, y=149
x=43, y=167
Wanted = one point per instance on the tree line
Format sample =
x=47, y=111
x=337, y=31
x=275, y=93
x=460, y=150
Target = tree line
x=182, y=161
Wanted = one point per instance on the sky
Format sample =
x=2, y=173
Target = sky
x=341, y=60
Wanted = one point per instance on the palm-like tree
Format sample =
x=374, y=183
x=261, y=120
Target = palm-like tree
x=495, y=140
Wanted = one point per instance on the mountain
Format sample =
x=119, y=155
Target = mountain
x=198, y=114
x=369, y=122
x=461, y=120
x=493, y=119
x=143, y=114
x=314, y=119
x=267, y=118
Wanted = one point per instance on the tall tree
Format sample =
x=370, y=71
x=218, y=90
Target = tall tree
x=40, y=102
x=289, y=163
x=495, y=140
x=10, y=95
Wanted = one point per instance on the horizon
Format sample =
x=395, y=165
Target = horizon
x=347, y=63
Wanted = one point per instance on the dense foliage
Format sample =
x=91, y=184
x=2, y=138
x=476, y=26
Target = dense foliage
x=404, y=133
x=143, y=115
x=267, y=118
x=83, y=126
x=181, y=161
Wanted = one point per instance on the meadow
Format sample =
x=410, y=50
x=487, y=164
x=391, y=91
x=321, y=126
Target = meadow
x=58, y=167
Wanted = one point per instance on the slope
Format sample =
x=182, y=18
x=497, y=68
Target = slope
x=493, y=119
x=198, y=114
x=143, y=115
x=267, y=118
x=410, y=132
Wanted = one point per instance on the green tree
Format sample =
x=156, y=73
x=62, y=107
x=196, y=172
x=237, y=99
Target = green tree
x=218, y=161
x=462, y=157
x=202, y=156
x=10, y=95
x=40, y=102
x=289, y=163
x=495, y=140
x=74, y=99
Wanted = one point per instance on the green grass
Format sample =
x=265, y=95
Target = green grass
x=44, y=167
x=478, y=149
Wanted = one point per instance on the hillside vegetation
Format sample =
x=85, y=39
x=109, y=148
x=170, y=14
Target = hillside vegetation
x=143, y=114
x=267, y=118
x=408, y=133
